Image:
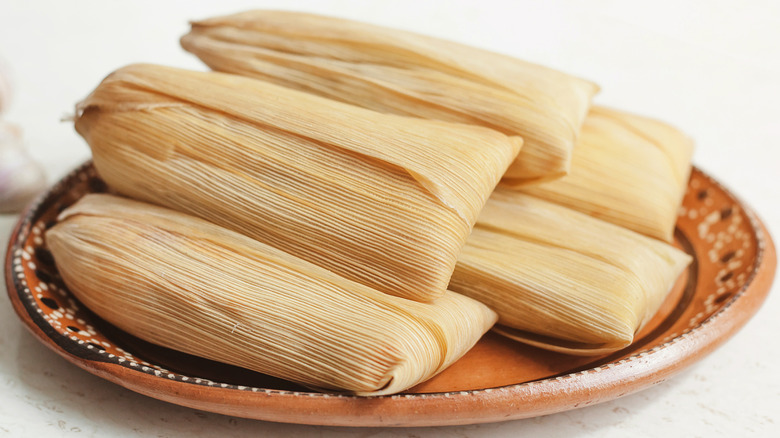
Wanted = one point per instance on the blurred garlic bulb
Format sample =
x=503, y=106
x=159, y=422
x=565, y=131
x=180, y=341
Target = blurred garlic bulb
x=21, y=178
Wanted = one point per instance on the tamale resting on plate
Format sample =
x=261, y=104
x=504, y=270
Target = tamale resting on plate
x=384, y=200
x=563, y=280
x=187, y=284
x=399, y=72
x=626, y=169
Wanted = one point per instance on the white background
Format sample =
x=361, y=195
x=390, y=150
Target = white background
x=709, y=67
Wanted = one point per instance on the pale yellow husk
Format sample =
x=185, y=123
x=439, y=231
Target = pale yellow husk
x=186, y=284
x=384, y=200
x=563, y=280
x=403, y=73
x=626, y=169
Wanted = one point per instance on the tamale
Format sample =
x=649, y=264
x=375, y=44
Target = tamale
x=563, y=280
x=186, y=284
x=404, y=73
x=626, y=169
x=384, y=200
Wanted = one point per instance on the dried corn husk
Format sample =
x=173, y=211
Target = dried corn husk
x=384, y=200
x=562, y=280
x=403, y=73
x=626, y=169
x=186, y=284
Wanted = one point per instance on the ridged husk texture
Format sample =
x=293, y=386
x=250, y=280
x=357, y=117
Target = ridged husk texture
x=563, y=280
x=186, y=284
x=384, y=200
x=626, y=169
x=404, y=73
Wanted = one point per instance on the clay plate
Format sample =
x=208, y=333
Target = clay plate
x=497, y=380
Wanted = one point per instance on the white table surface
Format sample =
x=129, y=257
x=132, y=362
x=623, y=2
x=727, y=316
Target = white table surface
x=709, y=67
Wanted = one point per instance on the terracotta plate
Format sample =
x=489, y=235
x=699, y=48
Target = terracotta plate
x=498, y=380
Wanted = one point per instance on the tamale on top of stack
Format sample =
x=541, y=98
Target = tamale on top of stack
x=187, y=284
x=399, y=72
x=626, y=169
x=563, y=280
x=384, y=200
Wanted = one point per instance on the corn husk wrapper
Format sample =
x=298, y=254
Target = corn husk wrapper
x=626, y=169
x=404, y=73
x=186, y=284
x=563, y=280
x=384, y=200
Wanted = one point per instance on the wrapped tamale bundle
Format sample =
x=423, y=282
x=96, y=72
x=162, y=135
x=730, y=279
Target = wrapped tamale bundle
x=186, y=284
x=404, y=73
x=384, y=200
x=563, y=280
x=626, y=169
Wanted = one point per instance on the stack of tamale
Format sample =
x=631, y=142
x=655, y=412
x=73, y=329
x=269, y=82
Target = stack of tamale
x=316, y=200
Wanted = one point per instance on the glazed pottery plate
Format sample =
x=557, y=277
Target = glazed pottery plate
x=734, y=263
